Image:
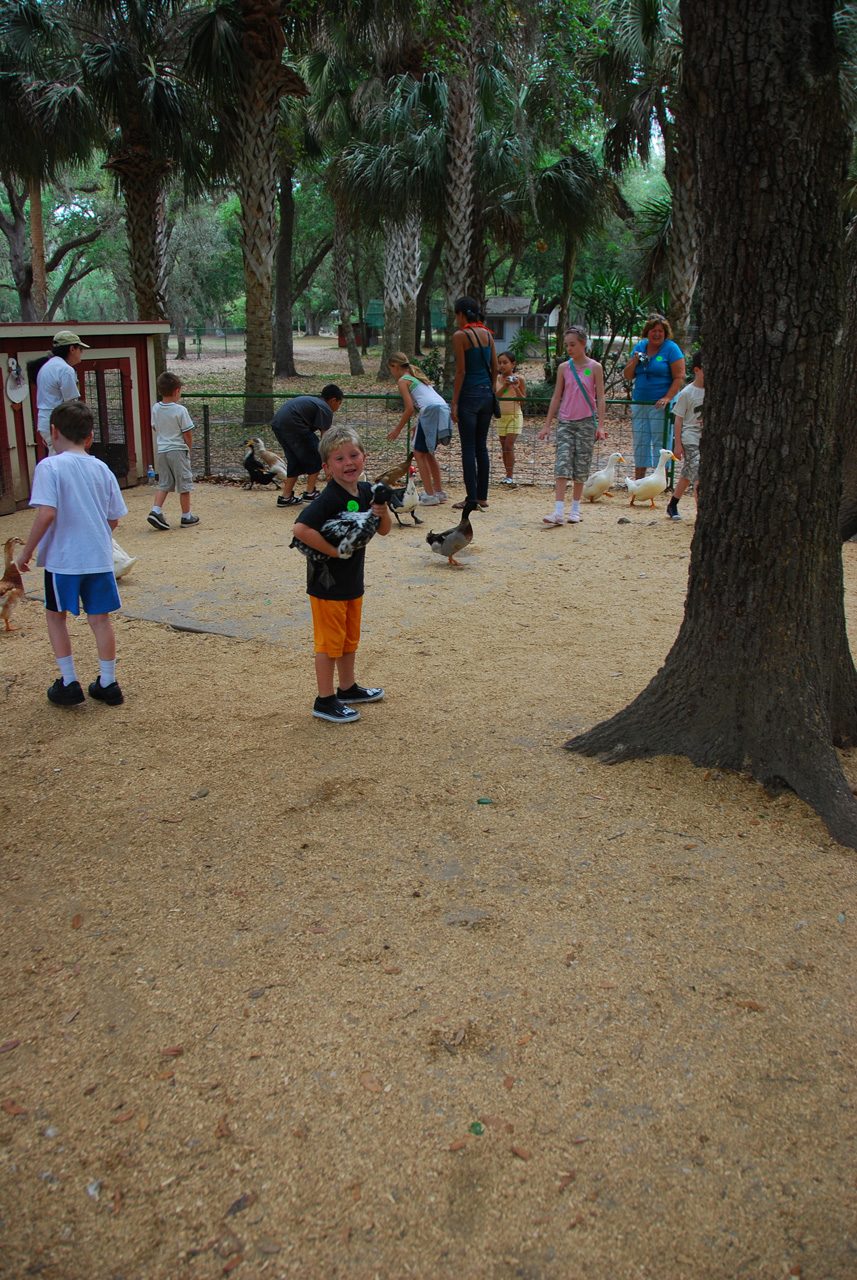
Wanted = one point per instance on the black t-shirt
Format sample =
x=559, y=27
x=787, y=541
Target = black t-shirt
x=304, y=413
x=347, y=574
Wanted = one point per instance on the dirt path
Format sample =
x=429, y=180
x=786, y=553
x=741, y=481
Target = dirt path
x=423, y=996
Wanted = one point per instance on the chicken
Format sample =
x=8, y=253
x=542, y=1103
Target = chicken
x=258, y=473
x=272, y=461
x=406, y=500
x=395, y=474
x=348, y=532
x=11, y=584
x=451, y=541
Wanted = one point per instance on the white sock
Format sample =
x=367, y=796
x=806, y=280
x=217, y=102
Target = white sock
x=575, y=506
x=157, y=510
x=107, y=672
x=185, y=515
x=559, y=509
x=67, y=671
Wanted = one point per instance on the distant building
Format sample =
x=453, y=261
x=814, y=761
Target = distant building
x=505, y=316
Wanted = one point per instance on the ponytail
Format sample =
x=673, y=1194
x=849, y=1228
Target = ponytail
x=399, y=358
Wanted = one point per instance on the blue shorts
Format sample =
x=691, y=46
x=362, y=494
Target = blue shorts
x=64, y=592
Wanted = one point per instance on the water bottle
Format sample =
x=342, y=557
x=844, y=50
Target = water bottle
x=151, y=474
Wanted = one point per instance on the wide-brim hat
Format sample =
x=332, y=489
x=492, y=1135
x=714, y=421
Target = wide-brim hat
x=65, y=338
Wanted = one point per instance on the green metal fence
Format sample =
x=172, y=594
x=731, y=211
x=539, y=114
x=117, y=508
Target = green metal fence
x=220, y=436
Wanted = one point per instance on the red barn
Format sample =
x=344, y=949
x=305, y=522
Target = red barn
x=116, y=379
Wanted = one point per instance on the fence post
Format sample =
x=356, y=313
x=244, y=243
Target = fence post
x=206, y=440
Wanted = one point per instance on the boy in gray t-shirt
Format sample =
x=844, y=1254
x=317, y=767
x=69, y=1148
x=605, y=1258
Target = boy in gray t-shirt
x=688, y=426
x=173, y=429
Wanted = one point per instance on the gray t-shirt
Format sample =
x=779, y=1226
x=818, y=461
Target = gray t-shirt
x=687, y=406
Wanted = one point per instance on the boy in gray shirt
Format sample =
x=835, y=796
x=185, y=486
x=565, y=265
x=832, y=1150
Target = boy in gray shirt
x=173, y=428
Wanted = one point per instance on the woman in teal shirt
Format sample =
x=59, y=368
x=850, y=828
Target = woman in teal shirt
x=657, y=370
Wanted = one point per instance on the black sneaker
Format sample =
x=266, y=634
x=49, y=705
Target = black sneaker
x=156, y=520
x=358, y=694
x=309, y=497
x=672, y=509
x=334, y=710
x=109, y=693
x=291, y=501
x=187, y=521
x=65, y=695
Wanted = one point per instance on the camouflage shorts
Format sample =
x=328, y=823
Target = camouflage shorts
x=690, y=444
x=575, y=442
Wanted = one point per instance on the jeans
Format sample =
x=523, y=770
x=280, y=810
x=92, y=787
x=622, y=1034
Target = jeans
x=475, y=411
x=647, y=426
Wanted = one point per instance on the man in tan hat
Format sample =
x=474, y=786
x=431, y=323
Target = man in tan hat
x=56, y=381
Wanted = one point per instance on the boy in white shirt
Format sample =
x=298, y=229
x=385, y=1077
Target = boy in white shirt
x=173, y=429
x=79, y=506
x=688, y=426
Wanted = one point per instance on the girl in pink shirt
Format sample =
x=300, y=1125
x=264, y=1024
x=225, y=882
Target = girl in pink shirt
x=579, y=399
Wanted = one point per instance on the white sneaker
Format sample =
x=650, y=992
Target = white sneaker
x=442, y=495
x=429, y=500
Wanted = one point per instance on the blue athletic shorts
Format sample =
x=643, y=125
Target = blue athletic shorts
x=65, y=592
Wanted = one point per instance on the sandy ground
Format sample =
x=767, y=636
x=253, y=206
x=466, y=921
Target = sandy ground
x=426, y=995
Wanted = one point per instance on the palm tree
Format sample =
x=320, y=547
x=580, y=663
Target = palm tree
x=130, y=71
x=46, y=125
x=637, y=82
x=572, y=197
x=236, y=51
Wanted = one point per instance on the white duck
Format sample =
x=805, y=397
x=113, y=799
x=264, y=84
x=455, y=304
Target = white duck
x=650, y=486
x=598, y=484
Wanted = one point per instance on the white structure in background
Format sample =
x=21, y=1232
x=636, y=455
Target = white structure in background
x=505, y=316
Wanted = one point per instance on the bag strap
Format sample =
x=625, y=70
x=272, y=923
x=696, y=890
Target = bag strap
x=580, y=384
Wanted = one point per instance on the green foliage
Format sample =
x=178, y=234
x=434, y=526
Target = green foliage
x=523, y=343
x=613, y=312
x=431, y=363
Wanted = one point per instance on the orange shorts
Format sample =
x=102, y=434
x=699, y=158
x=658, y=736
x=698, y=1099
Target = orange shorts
x=336, y=625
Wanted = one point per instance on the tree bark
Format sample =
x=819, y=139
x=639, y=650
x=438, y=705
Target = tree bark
x=683, y=248
x=284, y=345
x=340, y=284
x=37, y=246
x=424, y=295
x=569, y=261
x=411, y=270
x=846, y=413
x=394, y=243
x=460, y=170
x=760, y=677
x=15, y=231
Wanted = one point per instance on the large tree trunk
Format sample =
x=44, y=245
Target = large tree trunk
x=141, y=178
x=460, y=157
x=761, y=677
x=411, y=268
x=257, y=117
x=340, y=285
x=683, y=248
x=846, y=407
x=424, y=295
x=569, y=262
x=284, y=345
x=37, y=245
x=394, y=244
x=15, y=231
